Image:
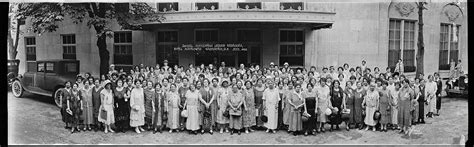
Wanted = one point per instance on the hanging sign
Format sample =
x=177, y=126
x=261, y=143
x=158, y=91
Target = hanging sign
x=211, y=47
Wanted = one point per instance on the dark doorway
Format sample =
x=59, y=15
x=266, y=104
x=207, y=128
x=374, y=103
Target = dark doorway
x=255, y=55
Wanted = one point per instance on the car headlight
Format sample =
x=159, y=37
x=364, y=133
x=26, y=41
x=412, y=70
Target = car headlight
x=465, y=80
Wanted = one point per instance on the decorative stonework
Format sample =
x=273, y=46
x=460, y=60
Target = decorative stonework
x=452, y=13
x=405, y=9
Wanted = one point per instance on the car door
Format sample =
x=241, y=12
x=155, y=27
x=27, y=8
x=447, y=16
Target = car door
x=49, y=75
x=39, y=75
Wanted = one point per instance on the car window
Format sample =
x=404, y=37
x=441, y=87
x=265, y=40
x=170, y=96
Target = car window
x=50, y=67
x=40, y=67
x=70, y=67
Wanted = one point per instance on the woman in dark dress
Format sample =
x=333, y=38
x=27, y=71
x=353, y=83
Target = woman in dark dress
x=359, y=95
x=122, y=106
x=310, y=107
x=65, y=96
x=158, y=108
x=96, y=102
x=337, y=101
x=258, y=90
x=75, y=106
x=207, y=108
x=349, y=92
x=149, y=94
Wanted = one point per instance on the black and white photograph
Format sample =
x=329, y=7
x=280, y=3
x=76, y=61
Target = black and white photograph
x=237, y=72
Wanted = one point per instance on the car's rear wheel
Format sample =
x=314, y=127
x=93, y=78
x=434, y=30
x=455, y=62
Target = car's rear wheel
x=57, y=98
x=17, y=89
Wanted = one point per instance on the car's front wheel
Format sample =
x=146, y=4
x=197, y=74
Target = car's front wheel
x=17, y=89
x=57, y=97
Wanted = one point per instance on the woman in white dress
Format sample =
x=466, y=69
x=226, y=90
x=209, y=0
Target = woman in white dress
x=172, y=107
x=271, y=96
x=192, y=105
x=371, y=104
x=107, y=105
x=222, y=98
x=137, y=103
x=324, y=102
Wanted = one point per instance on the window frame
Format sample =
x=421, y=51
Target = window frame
x=293, y=9
x=121, y=45
x=449, y=41
x=206, y=29
x=402, y=29
x=38, y=67
x=69, y=49
x=260, y=7
x=292, y=43
x=166, y=43
x=207, y=9
x=173, y=3
x=50, y=70
x=30, y=46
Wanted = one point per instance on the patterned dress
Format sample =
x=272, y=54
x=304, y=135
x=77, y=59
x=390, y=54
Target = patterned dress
x=359, y=95
x=394, y=98
x=234, y=100
x=336, y=101
x=350, y=99
x=287, y=106
x=371, y=100
x=214, y=93
x=173, y=101
x=323, y=103
x=66, y=95
x=149, y=100
x=87, y=115
x=222, y=99
x=384, y=106
x=75, y=106
x=249, y=109
x=157, y=115
x=207, y=114
x=122, y=112
x=295, y=122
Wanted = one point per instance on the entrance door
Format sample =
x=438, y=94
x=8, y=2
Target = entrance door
x=255, y=54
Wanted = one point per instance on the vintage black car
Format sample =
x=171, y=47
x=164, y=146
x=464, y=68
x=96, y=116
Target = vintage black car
x=457, y=87
x=12, y=70
x=50, y=75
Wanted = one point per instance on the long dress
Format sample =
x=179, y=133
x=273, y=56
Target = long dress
x=96, y=102
x=108, y=106
x=214, y=93
x=182, y=91
x=323, y=103
x=371, y=100
x=173, y=101
x=207, y=122
x=286, y=108
x=421, y=104
x=404, y=117
x=350, y=103
x=430, y=90
x=281, y=105
x=259, y=104
x=75, y=106
x=249, y=109
x=384, y=106
x=295, y=122
x=87, y=105
x=394, y=98
x=358, y=99
x=336, y=101
x=310, y=102
x=122, y=112
x=137, y=103
x=149, y=100
x=234, y=100
x=157, y=115
x=66, y=95
x=271, y=97
x=222, y=102
x=192, y=106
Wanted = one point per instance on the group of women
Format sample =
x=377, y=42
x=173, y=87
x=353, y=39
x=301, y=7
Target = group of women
x=244, y=99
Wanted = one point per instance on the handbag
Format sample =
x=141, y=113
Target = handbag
x=103, y=114
x=235, y=112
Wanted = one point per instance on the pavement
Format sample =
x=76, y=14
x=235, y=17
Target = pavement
x=35, y=119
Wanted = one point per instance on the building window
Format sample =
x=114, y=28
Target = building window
x=448, y=46
x=292, y=47
x=291, y=6
x=207, y=35
x=40, y=67
x=30, y=46
x=50, y=67
x=167, y=7
x=123, y=48
x=249, y=6
x=402, y=44
x=207, y=6
x=167, y=40
x=69, y=46
x=248, y=35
